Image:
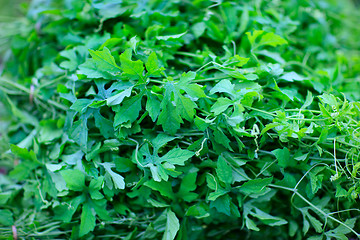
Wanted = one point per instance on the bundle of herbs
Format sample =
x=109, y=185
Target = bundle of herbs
x=180, y=120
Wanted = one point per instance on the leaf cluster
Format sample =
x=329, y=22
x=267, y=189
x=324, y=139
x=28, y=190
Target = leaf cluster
x=181, y=120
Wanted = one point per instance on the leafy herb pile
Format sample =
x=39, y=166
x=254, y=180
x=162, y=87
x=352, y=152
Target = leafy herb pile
x=181, y=120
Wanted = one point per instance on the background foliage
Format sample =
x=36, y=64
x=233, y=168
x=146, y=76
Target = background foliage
x=180, y=120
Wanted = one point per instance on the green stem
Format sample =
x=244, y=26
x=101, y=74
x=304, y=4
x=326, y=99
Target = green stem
x=35, y=94
x=209, y=79
x=326, y=215
x=259, y=110
x=156, y=81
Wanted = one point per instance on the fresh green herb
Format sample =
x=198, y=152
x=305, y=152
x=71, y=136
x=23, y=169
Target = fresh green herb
x=180, y=120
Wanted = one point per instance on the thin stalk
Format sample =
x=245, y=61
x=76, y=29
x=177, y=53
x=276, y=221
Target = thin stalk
x=326, y=215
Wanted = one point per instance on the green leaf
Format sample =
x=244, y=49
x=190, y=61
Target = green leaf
x=222, y=139
x=49, y=131
x=152, y=106
x=323, y=136
x=175, y=36
x=269, y=126
x=91, y=70
x=75, y=179
x=221, y=105
x=169, y=118
x=105, y=61
x=199, y=211
x=224, y=171
x=87, y=222
x=4, y=197
x=193, y=89
x=132, y=43
x=250, y=224
x=185, y=107
x=315, y=223
x=271, y=39
x=132, y=68
x=255, y=186
x=222, y=204
x=104, y=125
x=164, y=188
x=66, y=210
x=254, y=35
x=268, y=219
x=80, y=105
x=198, y=29
x=292, y=76
x=23, y=153
x=6, y=217
x=224, y=86
x=118, y=180
x=329, y=99
x=309, y=99
x=160, y=140
x=152, y=66
x=188, y=184
x=218, y=193
x=79, y=132
x=340, y=231
x=172, y=226
x=283, y=156
x=119, y=97
x=128, y=111
x=177, y=156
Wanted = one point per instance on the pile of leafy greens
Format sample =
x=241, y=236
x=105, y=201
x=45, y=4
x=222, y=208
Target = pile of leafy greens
x=180, y=120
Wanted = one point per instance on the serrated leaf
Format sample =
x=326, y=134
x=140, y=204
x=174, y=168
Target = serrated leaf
x=23, y=153
x=105, y=61
x=255, y=186
x=224, y=86
x=169, y=118
x=133, y=68
x=177, y=156
x=315, y=223
x=80, y=105
x=128, y=111
x=185, y=107
x=118, y=180
x=161, y=140
x=104, y=125
x=188, y=184
x=119, y=97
